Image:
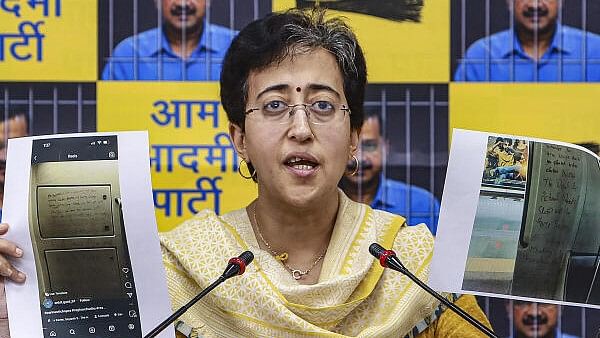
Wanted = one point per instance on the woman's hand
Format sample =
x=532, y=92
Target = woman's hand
x=9, y=249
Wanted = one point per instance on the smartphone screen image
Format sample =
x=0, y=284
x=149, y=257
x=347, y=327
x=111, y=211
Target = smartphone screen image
x=86, y=283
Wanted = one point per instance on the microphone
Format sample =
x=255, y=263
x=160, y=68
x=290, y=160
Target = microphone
x=236, y=266
x=388, y=259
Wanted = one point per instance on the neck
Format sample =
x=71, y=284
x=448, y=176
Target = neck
x=183, y=42
x=303, y=232
x=535, y=43
x=294, y=228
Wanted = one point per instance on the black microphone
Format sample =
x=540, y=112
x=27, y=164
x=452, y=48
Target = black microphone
x=388, y=259
x=236, y=266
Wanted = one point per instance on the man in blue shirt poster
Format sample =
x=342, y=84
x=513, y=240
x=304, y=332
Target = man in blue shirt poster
x=537, y=48
x=184, y=47
x=536, y=320
x=368, y=185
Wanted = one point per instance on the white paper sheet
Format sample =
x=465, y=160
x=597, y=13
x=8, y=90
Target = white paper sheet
x=511, y=232
x=457, y=211
x=25, y=317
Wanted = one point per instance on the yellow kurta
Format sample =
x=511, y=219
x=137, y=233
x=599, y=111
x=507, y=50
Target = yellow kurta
x=354, y=297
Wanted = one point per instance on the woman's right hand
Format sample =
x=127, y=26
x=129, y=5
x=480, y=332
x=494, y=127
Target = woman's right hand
x=9, y=249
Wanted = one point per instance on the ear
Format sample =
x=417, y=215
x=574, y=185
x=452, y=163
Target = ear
x=354, y=137
x=238, y=137
x=385, y=143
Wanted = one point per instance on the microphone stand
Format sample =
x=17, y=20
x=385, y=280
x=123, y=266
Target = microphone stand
x=236, y=266
x=184, y=308
x=387, y=258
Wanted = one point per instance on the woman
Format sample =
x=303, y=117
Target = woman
x=293, y=87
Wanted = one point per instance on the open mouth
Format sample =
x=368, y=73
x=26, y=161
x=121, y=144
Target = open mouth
x=302, y=164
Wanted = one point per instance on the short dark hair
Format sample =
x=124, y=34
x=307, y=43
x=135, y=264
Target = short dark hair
x=280, y=35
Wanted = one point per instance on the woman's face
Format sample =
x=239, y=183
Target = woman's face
x=297, y=161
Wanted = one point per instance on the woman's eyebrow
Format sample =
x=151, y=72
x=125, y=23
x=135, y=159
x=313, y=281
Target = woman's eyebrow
x=278, y=88
x=320, y=87
x=312, y=87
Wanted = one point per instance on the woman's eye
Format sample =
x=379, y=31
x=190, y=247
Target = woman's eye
x=275, y=105
x=323, y=105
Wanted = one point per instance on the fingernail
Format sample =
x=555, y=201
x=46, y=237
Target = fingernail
x=21, y=276
x=19, y=252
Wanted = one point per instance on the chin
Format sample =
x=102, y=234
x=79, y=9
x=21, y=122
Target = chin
x=304, y=197
x=366, y=179
x=537, y=333
x=546, y=27
x=188, y=25
x=542, y=26
x=300, y=202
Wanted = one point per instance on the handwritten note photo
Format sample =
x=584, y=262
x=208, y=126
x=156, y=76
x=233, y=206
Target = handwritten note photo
x=527, y=210
x=87, y=228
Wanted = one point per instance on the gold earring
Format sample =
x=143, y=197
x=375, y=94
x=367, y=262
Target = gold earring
x=355, y=168
x=252, y=175
x=240, y=170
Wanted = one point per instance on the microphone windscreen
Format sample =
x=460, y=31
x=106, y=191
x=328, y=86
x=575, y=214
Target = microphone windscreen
x=247, y=257
x=376, y=250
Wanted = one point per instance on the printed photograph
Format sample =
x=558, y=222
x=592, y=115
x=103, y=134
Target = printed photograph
x=517, y=318
x=399, y=167
x=169, y=40
x=535, y=232
x=525, y=41
x=506, y=163
x=78, y=236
